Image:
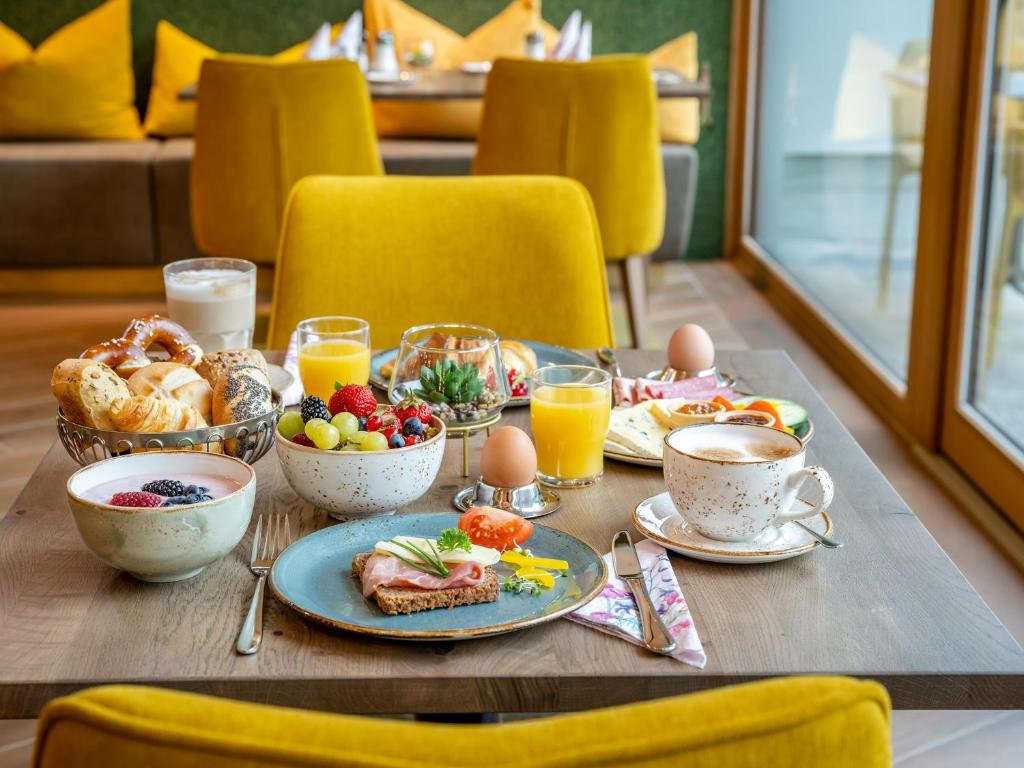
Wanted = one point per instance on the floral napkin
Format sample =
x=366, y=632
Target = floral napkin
x=614, y=611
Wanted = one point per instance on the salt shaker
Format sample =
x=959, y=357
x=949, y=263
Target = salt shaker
x=535, y=45
x=385, y=59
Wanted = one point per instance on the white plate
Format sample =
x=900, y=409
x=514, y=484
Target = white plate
x=626, y=456
x=390, y=77
x=657, y=519
x=476, y=67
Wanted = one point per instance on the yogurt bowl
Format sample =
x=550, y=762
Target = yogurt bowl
x=162, y=543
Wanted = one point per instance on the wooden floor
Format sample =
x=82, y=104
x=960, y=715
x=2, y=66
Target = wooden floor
x=34, y=337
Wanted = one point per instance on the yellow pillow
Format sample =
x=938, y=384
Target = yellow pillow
x=78, y=84
x=176, y=65
x=679, y=118
x=503, y=35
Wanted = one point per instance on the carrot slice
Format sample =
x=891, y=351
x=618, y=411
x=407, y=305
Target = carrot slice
x=724, y=403
x=765, y=407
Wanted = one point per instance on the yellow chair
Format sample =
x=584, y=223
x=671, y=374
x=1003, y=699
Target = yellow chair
x=260, y=127
x=596, y=122
x=811, y=722
x=519, y=254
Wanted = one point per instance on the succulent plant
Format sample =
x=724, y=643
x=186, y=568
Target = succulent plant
x=449, y=382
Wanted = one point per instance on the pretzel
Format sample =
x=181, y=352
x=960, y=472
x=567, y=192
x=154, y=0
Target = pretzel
x=168, y=334
x=122, y=355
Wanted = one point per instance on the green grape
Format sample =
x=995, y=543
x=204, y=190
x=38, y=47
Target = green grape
x=374, y=441
x=351, y=447
x=290, y=424
x=325, y=436
x=346, y=423
x=357, y=437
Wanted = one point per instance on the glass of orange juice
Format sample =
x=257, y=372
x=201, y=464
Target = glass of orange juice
x=333, y=350
x=569, y=410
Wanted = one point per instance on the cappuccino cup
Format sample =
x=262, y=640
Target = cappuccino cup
x=731, y=482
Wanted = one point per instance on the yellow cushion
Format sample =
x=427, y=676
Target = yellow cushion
x=176, y=65
x=811, y=722
x=503, y=35
x=532, y=239
x=679, y=118
x=78, y=84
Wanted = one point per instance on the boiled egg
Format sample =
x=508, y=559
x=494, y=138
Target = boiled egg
x=478, y=554
x=508, y=459
x=690, y=349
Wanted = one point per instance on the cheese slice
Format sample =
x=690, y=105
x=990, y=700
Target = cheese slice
x=482, y=555
x=636, y=430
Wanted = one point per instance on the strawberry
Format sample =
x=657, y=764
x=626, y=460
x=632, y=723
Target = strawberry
x=424, y=413
x=354, y=399
x=409, y=407
x=301, y=439
x=389, y=429
x=413, y=439
x=136, y=499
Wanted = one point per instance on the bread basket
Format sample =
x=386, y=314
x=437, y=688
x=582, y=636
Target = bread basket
x=254, y=438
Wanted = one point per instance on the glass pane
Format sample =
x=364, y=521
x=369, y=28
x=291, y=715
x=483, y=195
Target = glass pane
x=839, y=131
x=995, y=376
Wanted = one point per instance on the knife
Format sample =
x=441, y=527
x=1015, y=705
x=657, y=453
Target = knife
x=627, y=568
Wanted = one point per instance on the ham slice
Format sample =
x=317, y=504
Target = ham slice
x=633, y=391
x=386, y=571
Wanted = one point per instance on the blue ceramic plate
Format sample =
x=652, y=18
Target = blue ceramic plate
x=547, y=354
x=314, y=578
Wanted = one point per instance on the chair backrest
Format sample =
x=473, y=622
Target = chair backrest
x=812, y=722
x=261, y=126
x=596, y=122
x=520, y=255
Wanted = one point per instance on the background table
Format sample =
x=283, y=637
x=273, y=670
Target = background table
x=889, y=606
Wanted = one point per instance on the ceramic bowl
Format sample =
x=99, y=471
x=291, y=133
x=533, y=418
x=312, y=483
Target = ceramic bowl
x=165, y=543
x=357, y=484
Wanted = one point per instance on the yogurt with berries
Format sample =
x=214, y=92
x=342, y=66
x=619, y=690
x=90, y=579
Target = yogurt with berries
x=161, y=490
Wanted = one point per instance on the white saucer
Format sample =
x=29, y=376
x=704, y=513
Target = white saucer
x=657, y=519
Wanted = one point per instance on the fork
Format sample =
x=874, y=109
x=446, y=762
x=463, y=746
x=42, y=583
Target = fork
x=278, y=536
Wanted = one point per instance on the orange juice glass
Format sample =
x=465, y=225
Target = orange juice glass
x=569, y=411
x=333, y=350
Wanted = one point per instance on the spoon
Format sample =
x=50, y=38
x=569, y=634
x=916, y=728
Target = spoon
x=825, y=540
x=607, y=356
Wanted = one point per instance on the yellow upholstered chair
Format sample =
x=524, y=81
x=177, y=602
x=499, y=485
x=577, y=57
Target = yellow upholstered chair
x=596, y=122
x=810, y=722
x=261, y=126
x=520, y=255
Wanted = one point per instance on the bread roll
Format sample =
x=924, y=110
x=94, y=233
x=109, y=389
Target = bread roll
x=148, y=414
x=216, y=364
x=517, y=355
x=243, y=392
x=172, y=381
x=86, y=391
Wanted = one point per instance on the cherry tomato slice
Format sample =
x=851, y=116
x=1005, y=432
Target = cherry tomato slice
x=496, y=528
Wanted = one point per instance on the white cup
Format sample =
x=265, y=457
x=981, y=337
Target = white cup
x=732, y=481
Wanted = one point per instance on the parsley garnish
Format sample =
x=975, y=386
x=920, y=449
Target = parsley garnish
x=452, y=539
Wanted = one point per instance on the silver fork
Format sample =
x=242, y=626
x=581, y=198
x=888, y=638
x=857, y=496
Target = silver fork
x=278, y=536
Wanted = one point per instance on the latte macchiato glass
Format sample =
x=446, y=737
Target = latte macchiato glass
x=733, y=481
x=214, y=299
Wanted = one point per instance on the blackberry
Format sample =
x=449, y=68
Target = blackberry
x=165, y=487
x=314, y=408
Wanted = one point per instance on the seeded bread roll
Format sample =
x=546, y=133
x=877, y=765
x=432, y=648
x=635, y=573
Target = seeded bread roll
x=215, y=364
x=243, y=392
x=171, y=381
x=86, y=390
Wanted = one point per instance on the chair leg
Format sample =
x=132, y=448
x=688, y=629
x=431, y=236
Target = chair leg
x=634, y=283
x=1000, y=277
x=899, y=170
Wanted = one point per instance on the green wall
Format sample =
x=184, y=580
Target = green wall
x=263, y=26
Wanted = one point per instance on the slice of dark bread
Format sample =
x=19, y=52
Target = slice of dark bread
x=395, y=600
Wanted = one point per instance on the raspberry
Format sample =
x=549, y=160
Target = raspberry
x=136, y=499
x=314, y=408
x=165, y=487
x=301, y=439
x=354, y=399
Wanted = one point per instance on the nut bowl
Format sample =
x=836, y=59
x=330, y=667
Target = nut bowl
x=163, y=543
x=357, y=484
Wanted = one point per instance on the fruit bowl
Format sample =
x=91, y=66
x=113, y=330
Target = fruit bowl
x=162, y=543
x=357, y=484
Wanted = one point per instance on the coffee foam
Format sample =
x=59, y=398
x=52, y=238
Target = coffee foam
x=741, y=443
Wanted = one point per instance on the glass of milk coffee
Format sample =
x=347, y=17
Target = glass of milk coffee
x=215, y=299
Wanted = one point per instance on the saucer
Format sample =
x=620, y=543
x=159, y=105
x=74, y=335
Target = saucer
x=657, y=519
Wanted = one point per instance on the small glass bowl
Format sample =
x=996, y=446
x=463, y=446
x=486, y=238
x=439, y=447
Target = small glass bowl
x=455, y=367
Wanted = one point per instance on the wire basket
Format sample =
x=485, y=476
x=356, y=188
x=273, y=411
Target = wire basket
x=247, y=440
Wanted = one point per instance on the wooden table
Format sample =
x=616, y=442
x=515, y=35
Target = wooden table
x=890, y=606
x=434, y=84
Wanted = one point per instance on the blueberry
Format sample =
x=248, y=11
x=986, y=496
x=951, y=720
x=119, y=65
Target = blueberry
x=412, y=426
x=362, y=423
x=191, y=490
x=206, y=497
x=396, y=441
x=174, y=501
x=193, y=498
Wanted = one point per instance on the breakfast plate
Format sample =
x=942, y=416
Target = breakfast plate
x=314, y=578
x=547, y=354
x=658, y=519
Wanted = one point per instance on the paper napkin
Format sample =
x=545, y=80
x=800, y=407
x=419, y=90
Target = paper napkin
x=351, y=35
x=614, y=611
x=319, y=47
x=583, y=46
x=568, y=37
x=293, y=394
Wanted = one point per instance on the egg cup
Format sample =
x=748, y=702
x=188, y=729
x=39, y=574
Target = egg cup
x=668, y=373
x=527, y=501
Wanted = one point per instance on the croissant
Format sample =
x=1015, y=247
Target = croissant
x=147, y=414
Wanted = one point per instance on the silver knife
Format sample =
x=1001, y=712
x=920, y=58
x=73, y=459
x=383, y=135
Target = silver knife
x=627, y=568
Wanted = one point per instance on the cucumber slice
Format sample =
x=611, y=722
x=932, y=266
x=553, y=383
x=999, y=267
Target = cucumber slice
x=791, y=413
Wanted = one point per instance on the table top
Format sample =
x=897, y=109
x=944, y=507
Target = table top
x=890, y=606
x=434, y=84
